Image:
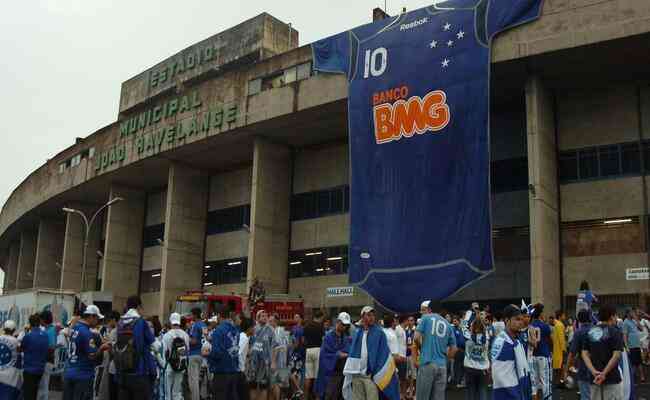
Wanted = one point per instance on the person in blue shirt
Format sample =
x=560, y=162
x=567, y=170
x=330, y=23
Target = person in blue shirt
x=541, y=373
x=138, y=384
x=83, y=349
x=49, y=328
x=583, y=375
x=435, y=338
x=223, y=360
x=197, y=331
x=459, y=357
x=35, y=347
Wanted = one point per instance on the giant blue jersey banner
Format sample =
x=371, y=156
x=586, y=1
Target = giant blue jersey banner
x=419, y=146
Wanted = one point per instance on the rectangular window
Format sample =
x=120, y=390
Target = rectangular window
x=228, y=219
x=509, y=175
x=569, y=166
x=289, y=75
x=630, y=158
x=304, y=71
x=588, y=162
x=224, y=272
x=154, y=235
x=646, y=156
x=150, y=281
x=610, y=163
x=318, y=262
x=320, y=204
x=91, y=152
x=254, y=86
x=61, y=168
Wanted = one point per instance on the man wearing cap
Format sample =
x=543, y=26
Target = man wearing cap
x=10, y=376
x=510, y=369
x=435, y=339
x=370, y=368
x=333, y=354
x=83, y=349
x=174, y=379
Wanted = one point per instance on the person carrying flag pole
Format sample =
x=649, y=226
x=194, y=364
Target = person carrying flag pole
x=370, y=367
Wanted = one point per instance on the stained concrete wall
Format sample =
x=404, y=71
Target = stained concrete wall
x=229, y=289
x=511, y=279
x=597, y=116
x=321, y=168
x=270, y=206
x=230, y=189
x=183, y=251
x=151, y=305
x=602, y=199
x=328, y=231
x=11, y=272
x=605, y=274
x=314, y=292
x=26, y=260
x=225, y=246
x=152, y=258
x=73, y=250
x=49, y=252
x=544, y=207
x=123, y=248
x=156, y=208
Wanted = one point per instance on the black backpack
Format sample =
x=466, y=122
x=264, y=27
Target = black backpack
x=177, y=355
x=124, y=352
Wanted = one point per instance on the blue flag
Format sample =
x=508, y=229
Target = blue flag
x=419, y=146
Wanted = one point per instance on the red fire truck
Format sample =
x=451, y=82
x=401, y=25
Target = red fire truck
x=284, y=306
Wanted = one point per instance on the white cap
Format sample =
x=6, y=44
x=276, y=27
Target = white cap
x=175, y=319
x=425, y=304
x=366, y=310
x=214, y=318
x=345, y=318
x=93, y=310
x=474, y=305
x=10, y=325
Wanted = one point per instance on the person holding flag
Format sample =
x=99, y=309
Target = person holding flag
x=11, y=379
x=370, y=367
x=333, y=354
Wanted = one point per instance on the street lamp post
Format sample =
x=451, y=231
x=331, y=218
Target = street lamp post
x=88, y=223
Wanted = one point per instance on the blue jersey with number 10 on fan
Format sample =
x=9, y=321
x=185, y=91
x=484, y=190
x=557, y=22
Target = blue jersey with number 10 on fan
x=419, y=146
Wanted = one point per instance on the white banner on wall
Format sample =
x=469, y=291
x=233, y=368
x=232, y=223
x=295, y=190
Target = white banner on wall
x=637, y=274
x=347, y=291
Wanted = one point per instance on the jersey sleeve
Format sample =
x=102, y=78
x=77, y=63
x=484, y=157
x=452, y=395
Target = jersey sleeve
x=506, y=14
x=333, y=54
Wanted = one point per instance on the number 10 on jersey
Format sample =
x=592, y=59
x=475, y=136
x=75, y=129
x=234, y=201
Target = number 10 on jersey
x=376, y=62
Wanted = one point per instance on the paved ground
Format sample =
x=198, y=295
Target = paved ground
x=643, y=393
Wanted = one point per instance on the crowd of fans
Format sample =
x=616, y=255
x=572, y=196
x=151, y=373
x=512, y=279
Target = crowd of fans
x=520, y=352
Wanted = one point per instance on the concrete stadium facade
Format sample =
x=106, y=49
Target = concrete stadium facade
x=231, y=157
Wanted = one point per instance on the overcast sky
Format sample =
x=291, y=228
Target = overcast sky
x=63, y=60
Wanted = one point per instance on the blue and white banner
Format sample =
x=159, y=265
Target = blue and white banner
x=419, y=146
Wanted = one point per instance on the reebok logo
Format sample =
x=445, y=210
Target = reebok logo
x=414, y=24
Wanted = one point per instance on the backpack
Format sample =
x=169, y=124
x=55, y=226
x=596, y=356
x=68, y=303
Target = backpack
x=124, y=352
x=177, y=355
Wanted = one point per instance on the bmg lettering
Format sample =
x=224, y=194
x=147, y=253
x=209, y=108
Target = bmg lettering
x=404, y=118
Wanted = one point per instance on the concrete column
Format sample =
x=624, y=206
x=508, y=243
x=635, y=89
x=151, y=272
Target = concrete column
x=270, y=205
x=543, y=198
x=49, y=251
x=11, y=274
x=123, y=249
x=185, y=220
x=73, y=250
x=26, y=260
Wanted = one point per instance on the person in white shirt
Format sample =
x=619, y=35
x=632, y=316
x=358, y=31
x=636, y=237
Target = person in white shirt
x=176, y=358
x=402, y=360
